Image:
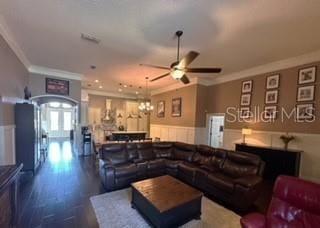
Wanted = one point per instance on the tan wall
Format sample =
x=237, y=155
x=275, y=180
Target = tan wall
x=188, y=114
x=97, y=101
x=37, y=86
x=13, y=79
x=6, y=114
x=227, y=94
x=202, y=103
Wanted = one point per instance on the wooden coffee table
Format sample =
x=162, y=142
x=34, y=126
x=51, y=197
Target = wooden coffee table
x=165, y=201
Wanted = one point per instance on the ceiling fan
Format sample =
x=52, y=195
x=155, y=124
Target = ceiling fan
x=179, y=68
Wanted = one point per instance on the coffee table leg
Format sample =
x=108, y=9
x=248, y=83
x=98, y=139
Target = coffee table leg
x=133, y=206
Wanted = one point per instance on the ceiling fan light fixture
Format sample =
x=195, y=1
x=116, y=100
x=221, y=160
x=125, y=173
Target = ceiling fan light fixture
x=177, y=74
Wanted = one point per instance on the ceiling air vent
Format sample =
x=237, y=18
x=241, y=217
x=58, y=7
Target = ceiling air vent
x=90, y=38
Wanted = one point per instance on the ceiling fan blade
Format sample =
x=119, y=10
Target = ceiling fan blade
x=153, y=66
x=161, y=76
x=203, y=70
x=185, y=61
x=185, y=79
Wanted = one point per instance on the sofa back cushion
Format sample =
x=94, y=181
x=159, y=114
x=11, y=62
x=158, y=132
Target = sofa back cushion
x=218, y=158
x=132, y=151
x=116, y=153
x=240, y=164
x=183, y=151
x=163, y=149
x=203, y=155
x=145, y=151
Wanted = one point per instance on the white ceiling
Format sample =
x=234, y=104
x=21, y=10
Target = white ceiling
x=233, y=34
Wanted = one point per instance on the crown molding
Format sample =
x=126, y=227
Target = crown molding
x=109, y=94
x=178, y=85
x=55, y=73
x=269, y=68
x=8, y=37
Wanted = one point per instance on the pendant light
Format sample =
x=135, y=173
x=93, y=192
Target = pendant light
x=146, y=106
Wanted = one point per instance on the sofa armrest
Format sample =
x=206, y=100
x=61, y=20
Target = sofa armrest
x=105, y=163
x=253, y=220
x=249, y=181
x=246, y=191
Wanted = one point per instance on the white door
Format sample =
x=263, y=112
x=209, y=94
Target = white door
x=60, y=121
x=216, y=127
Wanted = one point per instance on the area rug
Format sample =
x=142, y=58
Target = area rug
x=113, y=210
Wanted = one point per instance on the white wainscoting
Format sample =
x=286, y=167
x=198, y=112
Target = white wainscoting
x=7, y=145
x=178, y=133
x=309, y=143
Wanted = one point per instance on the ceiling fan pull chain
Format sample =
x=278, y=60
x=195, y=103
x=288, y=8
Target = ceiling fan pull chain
x=178, y=53
x=178, y=34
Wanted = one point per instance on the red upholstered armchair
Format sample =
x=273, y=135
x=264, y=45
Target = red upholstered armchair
x=295, y=204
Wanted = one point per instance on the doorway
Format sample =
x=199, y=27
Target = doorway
x=216, y=129
x=58, y=119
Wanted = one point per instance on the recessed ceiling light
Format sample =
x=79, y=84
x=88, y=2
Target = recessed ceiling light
x=96, y=81
x=120, y=90
x=100, y=87
x=137, y=92
x=125, y=86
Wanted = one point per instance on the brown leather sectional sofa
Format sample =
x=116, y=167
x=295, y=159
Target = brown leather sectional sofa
x=234, y=177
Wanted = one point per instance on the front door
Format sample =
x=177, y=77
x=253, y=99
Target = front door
x=60, y=120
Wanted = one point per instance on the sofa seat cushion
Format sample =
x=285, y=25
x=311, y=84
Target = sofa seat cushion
x=156, y=164
x=209, y=168
x=125, y=170
x=221, y=181
x=173, y=164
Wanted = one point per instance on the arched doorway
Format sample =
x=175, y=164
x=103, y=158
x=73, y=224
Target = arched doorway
x=59, y=115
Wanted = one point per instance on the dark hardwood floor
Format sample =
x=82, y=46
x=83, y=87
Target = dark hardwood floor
x=58, y=195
